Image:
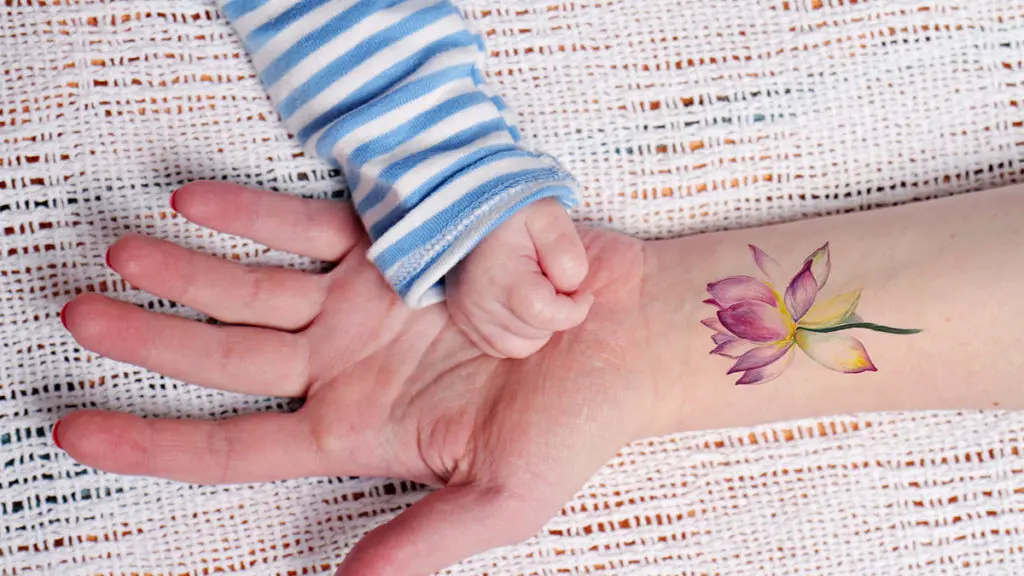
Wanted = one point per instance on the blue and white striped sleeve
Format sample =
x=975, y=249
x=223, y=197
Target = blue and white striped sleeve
x=391, y=92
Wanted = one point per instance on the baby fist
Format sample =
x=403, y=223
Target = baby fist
x=516, y=288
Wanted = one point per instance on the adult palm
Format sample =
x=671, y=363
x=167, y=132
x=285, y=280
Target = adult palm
x=388, y=391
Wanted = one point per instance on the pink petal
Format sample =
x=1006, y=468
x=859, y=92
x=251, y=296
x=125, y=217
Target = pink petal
x=713, y=323
x=769, y=372
x=733, y=348
x=713, y=302
x=760, y=357
x=757, y=322
x=836, y=351
x=768, y=265
x=801, y=292
x=821, y=265
x=722, y=337
x=736, y=289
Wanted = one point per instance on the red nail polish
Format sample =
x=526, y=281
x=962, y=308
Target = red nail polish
x=55, y=440
x=64, y=320
x=106, y=258
x=174, y=196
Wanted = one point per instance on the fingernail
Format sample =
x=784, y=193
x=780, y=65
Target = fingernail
x=55, y=440
x=174, y=196
x=106, y=258
x=64, y=320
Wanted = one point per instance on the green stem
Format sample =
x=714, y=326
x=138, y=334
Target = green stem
x=865, y=325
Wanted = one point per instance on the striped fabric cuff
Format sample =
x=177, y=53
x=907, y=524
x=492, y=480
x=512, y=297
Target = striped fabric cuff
x=391, y=92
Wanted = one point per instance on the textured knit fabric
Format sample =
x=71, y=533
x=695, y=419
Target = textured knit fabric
x=676, y=116
x=391, y=92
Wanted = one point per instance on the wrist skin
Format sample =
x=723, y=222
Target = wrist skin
x=953, y=268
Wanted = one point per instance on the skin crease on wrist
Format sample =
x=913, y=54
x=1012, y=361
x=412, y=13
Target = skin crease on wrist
x=952, y=267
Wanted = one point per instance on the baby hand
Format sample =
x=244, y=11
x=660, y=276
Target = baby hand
x=515, y=289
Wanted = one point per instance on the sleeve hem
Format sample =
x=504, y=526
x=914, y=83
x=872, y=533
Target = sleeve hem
x=418, y=276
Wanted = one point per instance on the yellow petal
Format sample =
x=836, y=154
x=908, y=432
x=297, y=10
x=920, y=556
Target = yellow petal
x=832, y=312
x=835, y=351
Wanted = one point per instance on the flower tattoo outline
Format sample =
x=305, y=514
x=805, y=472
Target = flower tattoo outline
x=759, y=327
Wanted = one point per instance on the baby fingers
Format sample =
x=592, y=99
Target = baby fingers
x=538, y=305
x=560, y=251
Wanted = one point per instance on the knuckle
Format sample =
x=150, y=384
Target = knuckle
x=255, y=283
x=575, y=267
x=228, y=351
x=529, y=306
x=221, y=450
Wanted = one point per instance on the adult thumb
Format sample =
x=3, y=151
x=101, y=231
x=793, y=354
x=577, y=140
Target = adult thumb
x=442, y=529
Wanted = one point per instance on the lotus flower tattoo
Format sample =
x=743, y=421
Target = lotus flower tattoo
x=758, y=327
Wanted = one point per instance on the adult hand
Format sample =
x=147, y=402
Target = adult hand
x=388, y=391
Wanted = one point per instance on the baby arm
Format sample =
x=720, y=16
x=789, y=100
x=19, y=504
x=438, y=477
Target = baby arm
x=391, y=92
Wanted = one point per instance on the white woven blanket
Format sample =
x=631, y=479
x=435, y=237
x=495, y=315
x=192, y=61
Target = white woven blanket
x=678, y=116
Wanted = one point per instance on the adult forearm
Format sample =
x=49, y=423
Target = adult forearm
x=952, y=268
